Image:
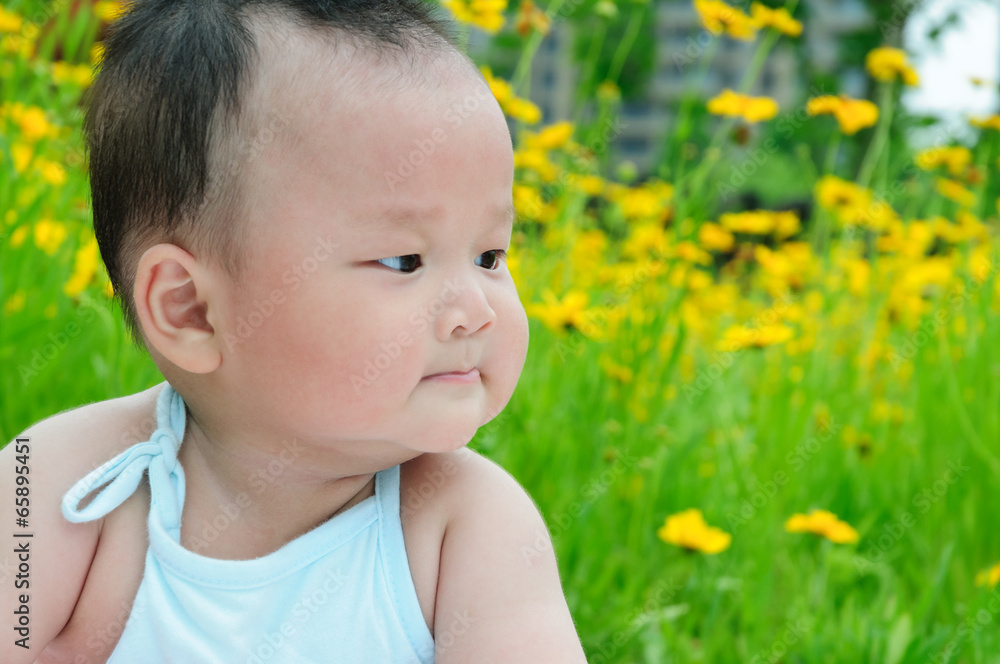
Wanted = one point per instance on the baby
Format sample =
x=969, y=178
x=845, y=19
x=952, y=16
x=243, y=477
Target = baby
x=304, y=207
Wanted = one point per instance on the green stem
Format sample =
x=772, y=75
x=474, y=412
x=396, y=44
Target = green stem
x=757, y=62
x=587, y=78
x=964, y=421
x=713, y=153
x=684, y=124
x=521, y=82
x=625, y=45
x=831, y=153
x=983, y=167
x=886, y=108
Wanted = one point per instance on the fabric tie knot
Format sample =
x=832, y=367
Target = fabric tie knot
x=169, y=445
x=123, y=473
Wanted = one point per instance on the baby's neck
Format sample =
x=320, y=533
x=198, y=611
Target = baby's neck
x=245, y=506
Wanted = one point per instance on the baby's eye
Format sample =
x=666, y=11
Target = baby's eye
x=405, y=264
x=493, y=258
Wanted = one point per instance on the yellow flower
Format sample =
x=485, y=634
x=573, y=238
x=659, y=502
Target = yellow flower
x=688, y=529
x=779, y=19
x=989, y=576
x=561, y=315
x=852, y=114
x=689, y=252
x=751, y=109
x=530, y=17
x=16, y=301
x=49, y=235
x=608, y=91
x=523, y=110
x=955, y=191
x=52, y=172
x=718, y=17
x=484, y=14
x=956, y=159
x=511, y=104
x=738, y=337
x=886, y=64
x=32, y=122
x=18, y=237
x=80, y=75
x=835, y=194
x=537, y=160
x=991, y=122
x=21, y=153
x=824, y=523
x=85, y=264
x=646, y=239
x=17, y=45
x=649, y=201
x=529, y=204
x=614, y=370
x=715, y=238
x=592, y=185
x=109, y=11
x=551, y=137
x=9, y=21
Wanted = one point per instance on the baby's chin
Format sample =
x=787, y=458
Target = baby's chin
x=454, y=436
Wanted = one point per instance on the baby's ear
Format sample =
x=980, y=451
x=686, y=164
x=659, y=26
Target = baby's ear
x=173, y=296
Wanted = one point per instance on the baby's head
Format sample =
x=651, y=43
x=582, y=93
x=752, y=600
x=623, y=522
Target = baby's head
x=303, y=207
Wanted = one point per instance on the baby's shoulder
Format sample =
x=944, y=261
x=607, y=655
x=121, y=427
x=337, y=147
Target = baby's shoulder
x=37, y=468
x=496, y=579
x=66, y=446
x=457, y=484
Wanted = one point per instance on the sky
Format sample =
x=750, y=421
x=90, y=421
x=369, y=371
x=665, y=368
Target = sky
x=971, y=49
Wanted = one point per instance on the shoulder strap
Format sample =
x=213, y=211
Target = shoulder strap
x=123, y=473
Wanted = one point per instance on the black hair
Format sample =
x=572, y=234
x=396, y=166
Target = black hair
x=170, y=90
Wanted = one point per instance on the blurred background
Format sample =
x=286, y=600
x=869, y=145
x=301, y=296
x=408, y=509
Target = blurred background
x=757, y=246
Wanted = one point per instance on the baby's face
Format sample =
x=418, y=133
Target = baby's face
x=377, y=262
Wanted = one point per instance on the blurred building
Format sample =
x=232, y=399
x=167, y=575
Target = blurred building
x=681, y=43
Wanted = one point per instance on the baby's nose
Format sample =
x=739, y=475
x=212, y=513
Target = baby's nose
x=464, y=309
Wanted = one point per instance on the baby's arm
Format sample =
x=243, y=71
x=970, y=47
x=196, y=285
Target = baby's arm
x=499, y=598
x=44, y=574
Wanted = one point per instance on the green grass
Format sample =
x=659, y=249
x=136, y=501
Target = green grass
x=749, y=442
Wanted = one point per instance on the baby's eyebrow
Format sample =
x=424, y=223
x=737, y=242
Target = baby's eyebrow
x=396, y=217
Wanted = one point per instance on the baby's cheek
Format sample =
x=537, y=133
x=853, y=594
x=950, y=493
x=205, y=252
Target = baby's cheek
x=511, y=350
x=385, y=356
